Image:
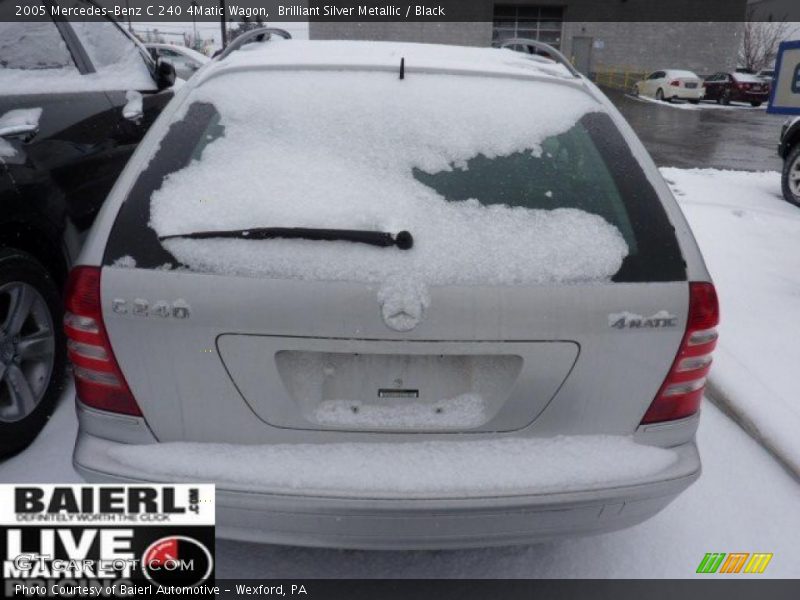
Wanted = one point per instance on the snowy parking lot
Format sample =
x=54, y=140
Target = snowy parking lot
x=745, y=501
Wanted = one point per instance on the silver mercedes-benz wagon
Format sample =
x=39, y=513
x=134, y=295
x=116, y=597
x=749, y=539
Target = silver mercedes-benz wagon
x=394, y=296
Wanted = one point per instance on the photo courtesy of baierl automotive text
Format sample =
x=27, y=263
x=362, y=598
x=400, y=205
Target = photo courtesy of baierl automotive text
x=361, y=299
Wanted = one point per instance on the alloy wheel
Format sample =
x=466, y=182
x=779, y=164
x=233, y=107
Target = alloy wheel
x=27, y=350
x=794, y=177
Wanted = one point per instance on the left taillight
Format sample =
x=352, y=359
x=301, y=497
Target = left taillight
x=683, y=388
x=99, y=382
x=675, y=83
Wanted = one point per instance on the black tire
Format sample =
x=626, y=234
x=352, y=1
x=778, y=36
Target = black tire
x=20, y=267
x=635, y=91
x=694, y=101
x=660, y=95
x=755, y=104
x=790, y=163
x=726, y=98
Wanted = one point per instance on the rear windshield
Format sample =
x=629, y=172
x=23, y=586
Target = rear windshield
x=496, y=185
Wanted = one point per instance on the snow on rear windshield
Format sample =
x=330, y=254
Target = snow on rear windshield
x=339, y=150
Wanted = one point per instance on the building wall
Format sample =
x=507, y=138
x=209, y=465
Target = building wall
x=774, y=10
x=703, y=47
x=476, y=33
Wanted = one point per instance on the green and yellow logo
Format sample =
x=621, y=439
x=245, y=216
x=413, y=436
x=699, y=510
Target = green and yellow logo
x=735, y=562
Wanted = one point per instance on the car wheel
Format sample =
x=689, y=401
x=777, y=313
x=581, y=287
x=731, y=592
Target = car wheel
x=32, y=352
x=726, y=98
x=790, y=178
x=755, y=104
x=635, y=91
x=660, y=95
x=694, y=101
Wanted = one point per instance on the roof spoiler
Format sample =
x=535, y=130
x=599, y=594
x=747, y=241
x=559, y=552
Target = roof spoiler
x=263, y=34
x=544, y=48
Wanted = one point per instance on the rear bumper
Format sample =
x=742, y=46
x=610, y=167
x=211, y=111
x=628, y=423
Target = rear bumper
x=742, y=96
x=401, y=523
x=687, y=94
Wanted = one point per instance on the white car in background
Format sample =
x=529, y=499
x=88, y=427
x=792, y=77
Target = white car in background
x=185, y=60
x=766, y=75
x=670, y=84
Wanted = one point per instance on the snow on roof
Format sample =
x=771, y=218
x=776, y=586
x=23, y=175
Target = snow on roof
x=746, y=78
x=682, y=73
x=330, y=53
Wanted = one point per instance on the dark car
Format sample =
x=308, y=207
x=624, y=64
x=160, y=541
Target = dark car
x=736, y=87
x=75, y=100
x=789, y=151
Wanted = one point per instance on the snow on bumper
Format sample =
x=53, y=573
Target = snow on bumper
x=371, y=518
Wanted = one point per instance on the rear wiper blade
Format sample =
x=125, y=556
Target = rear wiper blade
x=402, y=240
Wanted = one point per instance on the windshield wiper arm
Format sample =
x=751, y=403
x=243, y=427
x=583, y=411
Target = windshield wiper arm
x=402, y=240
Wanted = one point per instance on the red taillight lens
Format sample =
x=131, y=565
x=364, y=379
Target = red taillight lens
x=682, y=390
x=99, y=382
x=675, y=83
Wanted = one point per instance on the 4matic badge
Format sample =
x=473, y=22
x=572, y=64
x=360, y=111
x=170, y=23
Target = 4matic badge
x=625, y=320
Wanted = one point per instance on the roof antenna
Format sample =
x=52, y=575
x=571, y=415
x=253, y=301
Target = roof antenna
x=402, y=68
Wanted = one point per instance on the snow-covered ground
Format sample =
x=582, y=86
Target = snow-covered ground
x=744, y=501
x=703, y=105
x=750, y=238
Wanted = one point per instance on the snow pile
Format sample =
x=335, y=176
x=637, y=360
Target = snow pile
x=403, y=303
x=6, y=149
x=17, y=121
x=337, y=149
x=750, y=239
x=464, y=411
x=125, y=262
x=465, y=468
x=133, y=108
x=20, y=120
x=703, y=105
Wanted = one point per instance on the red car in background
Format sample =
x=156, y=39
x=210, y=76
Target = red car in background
x=736, y=87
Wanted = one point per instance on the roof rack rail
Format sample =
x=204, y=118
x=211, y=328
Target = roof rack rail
x=262, y=34
x=547, y=48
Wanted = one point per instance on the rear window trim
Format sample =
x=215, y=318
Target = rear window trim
x=659, y=257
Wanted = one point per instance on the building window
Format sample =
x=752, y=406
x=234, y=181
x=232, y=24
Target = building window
x=541, y=23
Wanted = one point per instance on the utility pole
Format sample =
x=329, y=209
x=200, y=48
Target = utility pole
x=222, y=23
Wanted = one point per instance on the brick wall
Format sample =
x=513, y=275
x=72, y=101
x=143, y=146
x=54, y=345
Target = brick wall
x=701, y=47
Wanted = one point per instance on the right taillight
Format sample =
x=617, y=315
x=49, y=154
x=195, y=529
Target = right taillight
x=99, y=382
x=682, y=390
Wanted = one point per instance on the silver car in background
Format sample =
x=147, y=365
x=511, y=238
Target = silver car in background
x=185, y=60
x=394, y=296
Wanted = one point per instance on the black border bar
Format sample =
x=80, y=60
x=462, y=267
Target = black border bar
x=432, y=11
